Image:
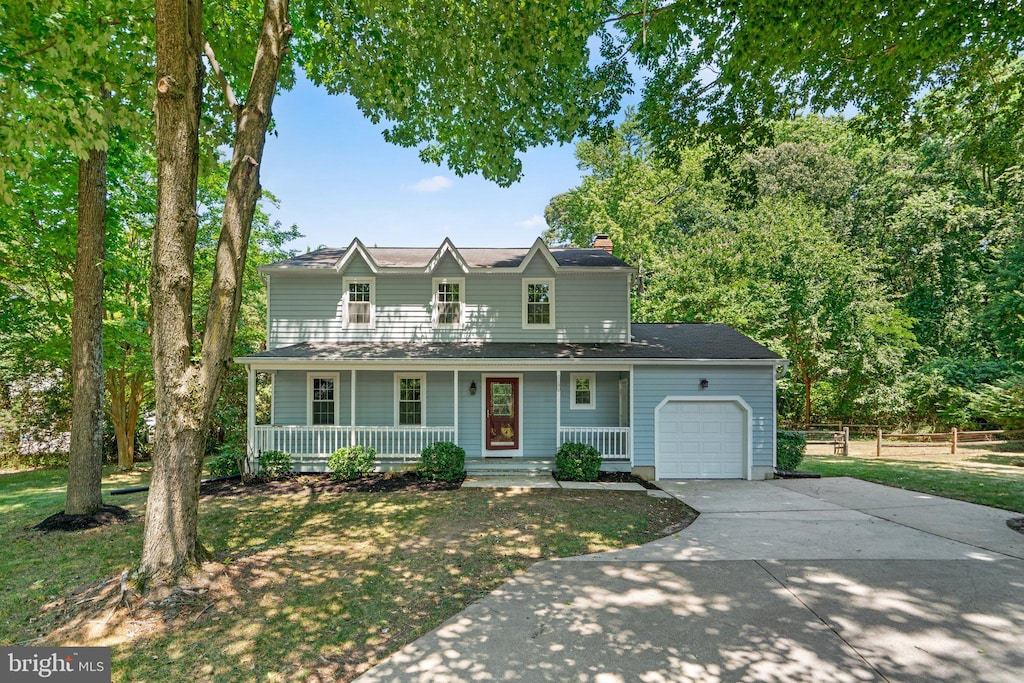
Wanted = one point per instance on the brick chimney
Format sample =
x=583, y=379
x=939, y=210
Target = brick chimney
x=602, y=242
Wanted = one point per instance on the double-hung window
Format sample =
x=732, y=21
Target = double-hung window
x=583, y=391
x=359, y=298
x=539, y=302
x=449, y=301
x=323, y=399
x=410, y=399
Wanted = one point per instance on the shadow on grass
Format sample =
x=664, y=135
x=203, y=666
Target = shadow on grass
x=316, y=586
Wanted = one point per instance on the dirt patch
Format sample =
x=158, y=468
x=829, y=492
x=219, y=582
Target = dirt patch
x=108, y=514
x=1016, y=524
x=324, y=483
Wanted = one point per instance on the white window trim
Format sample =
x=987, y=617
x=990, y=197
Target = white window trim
x=310, y=376
x=422, y=377
x=461, y=282
x=550, y=282
x=345, y=282
x=573, y=376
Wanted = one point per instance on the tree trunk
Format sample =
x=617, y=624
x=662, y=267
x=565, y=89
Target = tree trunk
x=807, y=400
x=85, y=465
x=186, y=394
x=126, y=391
x=171, y=544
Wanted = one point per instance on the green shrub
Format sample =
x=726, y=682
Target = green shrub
x=790, y=449
x=577, y=462
x=352, y=462
x=224, y=464
x=443, y=460
x=275, y=464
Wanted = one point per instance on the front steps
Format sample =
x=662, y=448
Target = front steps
x=509, y=467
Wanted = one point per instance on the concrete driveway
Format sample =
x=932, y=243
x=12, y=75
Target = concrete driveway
x=802, y=580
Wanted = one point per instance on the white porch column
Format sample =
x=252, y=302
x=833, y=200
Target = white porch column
x=455, y=396
x=558, y=409
x=250, y=418
x=352, y=410
x=632, y=417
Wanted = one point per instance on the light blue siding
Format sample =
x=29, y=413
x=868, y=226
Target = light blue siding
x=291, y=397
x=470, y=413
x=753, y=384
x=537, y=402
x=589, y=307
x=606, y=408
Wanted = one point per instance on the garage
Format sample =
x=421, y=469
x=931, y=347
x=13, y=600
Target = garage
x=701, y=438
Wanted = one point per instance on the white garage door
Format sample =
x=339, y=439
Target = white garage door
x=701, y=440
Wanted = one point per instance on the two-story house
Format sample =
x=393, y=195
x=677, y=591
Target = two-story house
x=509, y=353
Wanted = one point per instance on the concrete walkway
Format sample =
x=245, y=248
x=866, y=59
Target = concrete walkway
x=802, y=580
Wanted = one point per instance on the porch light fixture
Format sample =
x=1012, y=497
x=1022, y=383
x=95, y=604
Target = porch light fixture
x=472, y=388
x=703, y=384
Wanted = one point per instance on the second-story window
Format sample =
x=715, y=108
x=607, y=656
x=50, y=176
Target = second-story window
x=538, y=303
x=448, y=302
x=359, y=302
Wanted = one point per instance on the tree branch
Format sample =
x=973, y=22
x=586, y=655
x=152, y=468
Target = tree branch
x=229, y=94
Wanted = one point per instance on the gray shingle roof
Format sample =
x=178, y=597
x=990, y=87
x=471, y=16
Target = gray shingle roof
x=688, y=341
x=411, y=257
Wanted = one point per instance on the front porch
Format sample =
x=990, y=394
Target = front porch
x=399, y=447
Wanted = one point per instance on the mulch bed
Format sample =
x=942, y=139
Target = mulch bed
x=108, y=514
x=1016, y=524
x=324, y=483
x=625, y=478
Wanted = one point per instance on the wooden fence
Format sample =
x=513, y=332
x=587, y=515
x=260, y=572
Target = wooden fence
x=840, y=438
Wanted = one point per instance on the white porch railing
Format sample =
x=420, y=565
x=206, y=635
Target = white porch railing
x=612, y=442
x=322, y=440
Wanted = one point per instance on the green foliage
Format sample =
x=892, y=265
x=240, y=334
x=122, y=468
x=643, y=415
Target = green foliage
x=771, y=58
x=225, y=463
x=789, y=449
x=470, y=84
x=1002, y=402
x=443, y=461
x=352, y=462
x=577, y=462
x=274, y=464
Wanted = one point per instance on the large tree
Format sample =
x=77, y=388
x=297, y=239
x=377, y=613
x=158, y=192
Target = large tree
x=71, y=54
x=718, y=69
x=469, y=83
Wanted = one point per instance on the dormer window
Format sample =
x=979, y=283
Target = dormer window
x=449, y=301
x=359, y=302
x=538, y=303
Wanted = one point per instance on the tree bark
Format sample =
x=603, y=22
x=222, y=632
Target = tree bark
x=171, y=544
x=127, y=391
x=186, y=393
x=85, y=465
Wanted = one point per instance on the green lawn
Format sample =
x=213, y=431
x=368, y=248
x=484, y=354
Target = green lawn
x=1001, y=489
x=304, y=586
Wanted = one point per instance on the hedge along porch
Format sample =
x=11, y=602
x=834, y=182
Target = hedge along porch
x=514, y=411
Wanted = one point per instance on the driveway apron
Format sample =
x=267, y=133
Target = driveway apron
x=802, y=580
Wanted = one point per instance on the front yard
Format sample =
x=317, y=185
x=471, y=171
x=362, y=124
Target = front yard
x=986, y=478
x=303, y=585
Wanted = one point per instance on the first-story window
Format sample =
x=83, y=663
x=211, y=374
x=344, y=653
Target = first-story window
x=409, y=394
x=322, y=400
x=582, y=394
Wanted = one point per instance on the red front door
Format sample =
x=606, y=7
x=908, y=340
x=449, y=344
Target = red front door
x=502, y=414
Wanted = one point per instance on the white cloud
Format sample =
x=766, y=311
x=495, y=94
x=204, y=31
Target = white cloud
x=435, y=184
x=535, y=222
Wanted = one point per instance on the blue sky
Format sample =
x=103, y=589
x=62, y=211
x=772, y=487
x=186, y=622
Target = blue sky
x=336, y=178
